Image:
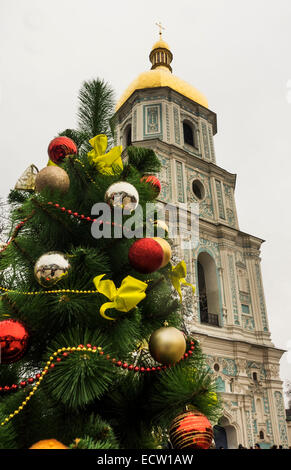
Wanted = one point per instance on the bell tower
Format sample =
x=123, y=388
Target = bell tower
x=228, y=312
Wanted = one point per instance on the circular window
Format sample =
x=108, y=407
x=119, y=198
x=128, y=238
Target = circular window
x=198, y=189
x=216, y=367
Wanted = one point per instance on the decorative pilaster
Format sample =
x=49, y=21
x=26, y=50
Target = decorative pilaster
x=233, y=289
x=261, y=297
x=281, y=419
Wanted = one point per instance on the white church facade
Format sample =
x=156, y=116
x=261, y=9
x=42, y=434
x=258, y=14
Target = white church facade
x=228, y=313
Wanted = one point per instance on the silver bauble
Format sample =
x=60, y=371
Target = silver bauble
x=123, y=195
x=51, y=267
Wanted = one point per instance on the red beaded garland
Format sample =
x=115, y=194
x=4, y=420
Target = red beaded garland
x=119, y=363
x=82, y=216
x=16, y=230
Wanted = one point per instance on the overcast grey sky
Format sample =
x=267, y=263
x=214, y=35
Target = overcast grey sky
x=235, y=52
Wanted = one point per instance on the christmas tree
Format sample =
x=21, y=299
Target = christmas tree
x=94, y=351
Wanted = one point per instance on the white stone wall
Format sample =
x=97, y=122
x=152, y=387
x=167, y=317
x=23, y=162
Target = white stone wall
x=241, y=344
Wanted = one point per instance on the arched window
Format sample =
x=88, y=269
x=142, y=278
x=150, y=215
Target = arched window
x=198, y=189
x=259, y=410
x=208, y=289
x=128, y=136
x=188, y=134
x=220, y=384
x=262, y=435
x=255, y=376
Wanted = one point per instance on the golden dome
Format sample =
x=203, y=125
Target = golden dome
x=161, y=44
x=161, y=76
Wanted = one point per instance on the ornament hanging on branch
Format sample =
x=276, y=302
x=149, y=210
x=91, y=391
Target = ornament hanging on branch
x=146, y=255
x=26, y=182
x=167, y=345
x=153, y=181
x=60, y=148
x=53, y=178
x=123, y=195
x=191, y=430
x=13, y=341
x=48, y=444
x=167, y=252
x=51, y=268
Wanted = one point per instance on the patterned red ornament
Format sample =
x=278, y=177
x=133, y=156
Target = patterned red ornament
x=146, y=255
x=60, y=147
x=191, y=430
x=13, y=341
x=154, y=181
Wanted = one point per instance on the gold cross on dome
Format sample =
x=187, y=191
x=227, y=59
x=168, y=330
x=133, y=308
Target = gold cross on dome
x=159, y=25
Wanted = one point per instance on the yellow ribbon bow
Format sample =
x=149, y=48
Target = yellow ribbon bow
x=51, y=163
x=129, y=294
x=213, y=398
x=104, y=161
x=178, y=275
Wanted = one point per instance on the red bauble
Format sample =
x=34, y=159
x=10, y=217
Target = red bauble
x=13, y=341
x=191, y=430
x=60, y=147
x=154, y=181
x=146, y=255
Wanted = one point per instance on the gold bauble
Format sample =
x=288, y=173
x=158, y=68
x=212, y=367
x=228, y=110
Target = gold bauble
x=51, y=267
x=167, y=345
x=53, y=178
x=166, y=250
x=48, y=444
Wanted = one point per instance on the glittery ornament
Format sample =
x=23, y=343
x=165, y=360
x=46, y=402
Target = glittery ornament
x=146, y=255
x=60, y=147
x=48, y=444
x=13, y=341
x=53, y=178
x=167, y=252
